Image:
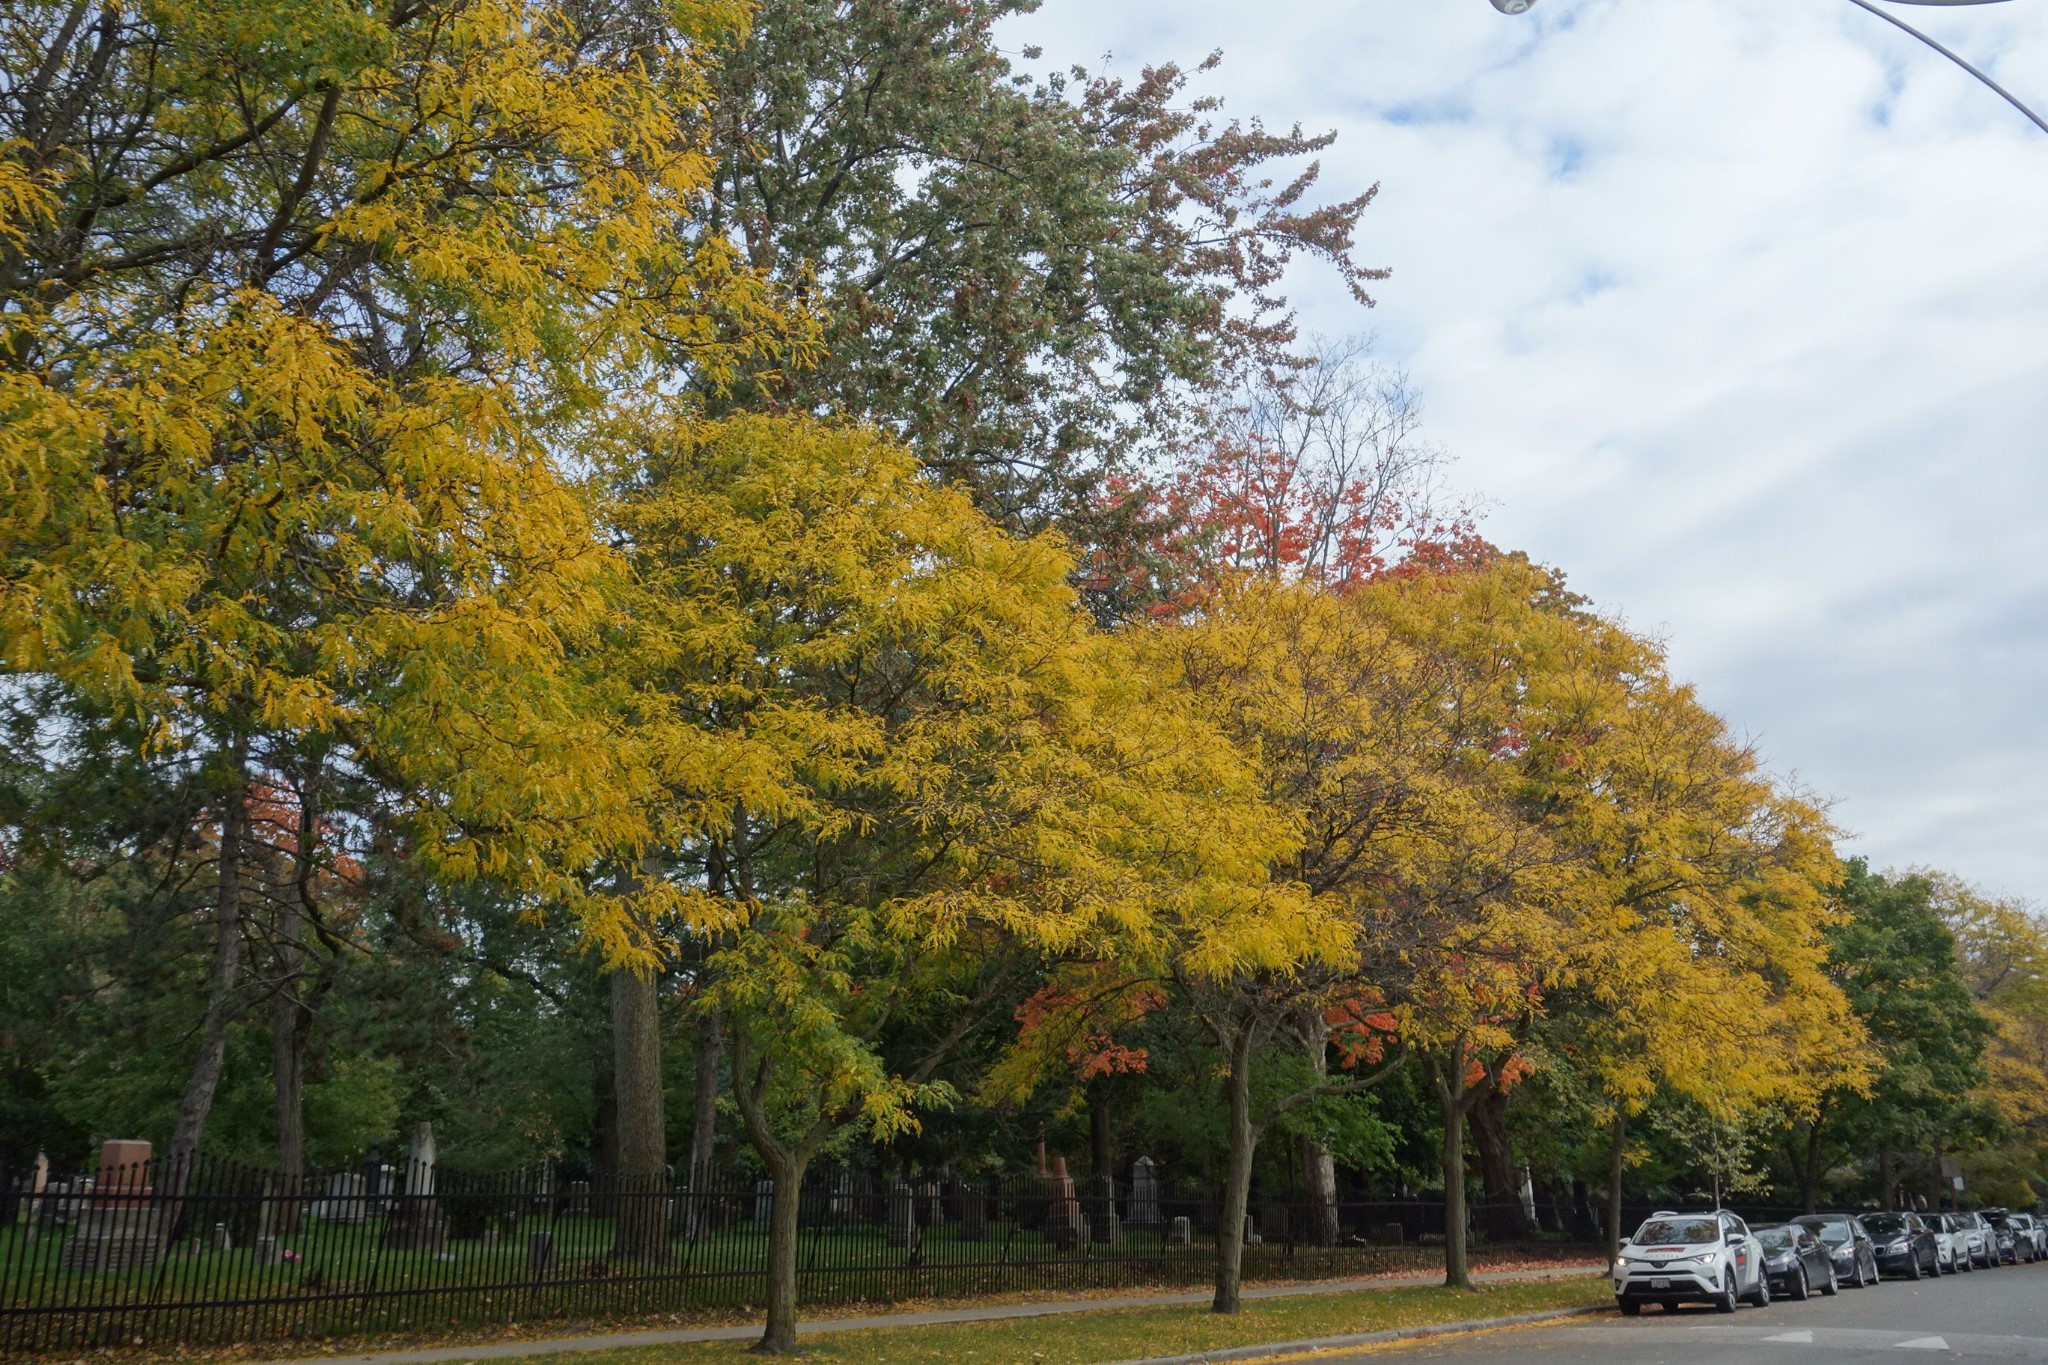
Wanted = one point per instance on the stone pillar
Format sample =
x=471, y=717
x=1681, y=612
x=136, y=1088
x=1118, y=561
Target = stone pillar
x=1144, y=1206
x=902, y=1216
x=1063, y=1220
x=415, y=1223
x=973, y=1213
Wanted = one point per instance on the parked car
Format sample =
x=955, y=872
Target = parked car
x=1849, y=1246
x=1983, y=1240
x=2032, y=1234
x=2003, y=1234
x=1968, y=1239
x=1905, y=1245
x=1676, y=1258
x=1948, y=1244
x=1799, y=1266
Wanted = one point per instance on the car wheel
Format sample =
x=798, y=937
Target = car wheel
x=1631, y=1308
x=1762, y=1297
x=1725, y=1301
x=1802, y=1288
x=1913, y=1266
x=1833, y=1286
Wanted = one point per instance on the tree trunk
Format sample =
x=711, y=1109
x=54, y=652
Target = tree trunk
x=1504, y=1215
x=1887, y=1174
x=1617, y=1151
x=204, y=1079
x=1318, y=1167
x=1101, y=1160
x=641, y=1226
x=1237, y=1180
x=288, y=1030
x=786, y=1169
x=1457, y=1270
x=704, y=1117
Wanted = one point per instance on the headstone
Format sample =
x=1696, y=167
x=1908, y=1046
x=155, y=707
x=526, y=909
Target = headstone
x=266, y=1250
x=119, y=1227
x=540, y=1252
x=32, y=1206
x=1251, y=1233
x=1273, y=1222
x=1144, y=1206
x=415, y=1222
x=371, y=1182
x=223, y=1240
x=579, y=1199
x=347, y=1198
x=1180, y=1232
x=1063, y=1221
x=931, y=1205
x=764, y=1203
x=1390, y=1234
x=973, y=1214
x=902, y=1216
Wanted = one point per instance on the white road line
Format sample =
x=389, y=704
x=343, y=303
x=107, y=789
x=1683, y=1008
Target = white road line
x=1922, y=1344
x=1795, y=1338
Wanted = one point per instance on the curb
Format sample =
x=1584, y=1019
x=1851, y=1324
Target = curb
x=1441, y=1329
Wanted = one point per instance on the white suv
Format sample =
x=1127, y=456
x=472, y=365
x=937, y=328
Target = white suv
x=1679, y=1258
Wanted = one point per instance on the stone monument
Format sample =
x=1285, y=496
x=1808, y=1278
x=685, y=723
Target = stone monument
x=1144, y=1205
x=1064, y=1225
x=415, y=1222
x=119, y=1226
x=902, y=1216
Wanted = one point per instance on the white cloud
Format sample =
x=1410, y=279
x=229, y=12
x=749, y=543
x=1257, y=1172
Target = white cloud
x=1738, y=311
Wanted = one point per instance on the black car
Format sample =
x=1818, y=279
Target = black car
x=1798, y=1264
x=1849, y=1247
x=1905, y=1245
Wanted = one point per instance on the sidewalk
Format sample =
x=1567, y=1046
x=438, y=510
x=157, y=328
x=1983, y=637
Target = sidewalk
x=612, y=1341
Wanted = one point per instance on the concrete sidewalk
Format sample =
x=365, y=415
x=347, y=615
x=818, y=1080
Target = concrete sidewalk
x=612, y=1341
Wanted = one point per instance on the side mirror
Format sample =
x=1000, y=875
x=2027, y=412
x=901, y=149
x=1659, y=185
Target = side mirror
x=1623, y=1242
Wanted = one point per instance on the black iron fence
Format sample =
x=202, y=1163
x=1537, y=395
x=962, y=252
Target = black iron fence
x=145, y=1255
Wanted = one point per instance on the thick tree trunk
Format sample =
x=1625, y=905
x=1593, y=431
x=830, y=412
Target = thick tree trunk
x=1101, y=1159
x=204, y=1078
x=1237, y=1179
x=1504, y=1216
x=1617, y=1150
x=641, y=1226
x=787, y=1170
x=1889, y=1176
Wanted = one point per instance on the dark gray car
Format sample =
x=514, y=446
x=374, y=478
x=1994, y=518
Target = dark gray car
x=1905, y=1245
x=1849, y=1247
x=1799, y=1266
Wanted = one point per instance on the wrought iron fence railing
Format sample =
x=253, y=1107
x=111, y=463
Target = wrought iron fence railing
x=223, y=1252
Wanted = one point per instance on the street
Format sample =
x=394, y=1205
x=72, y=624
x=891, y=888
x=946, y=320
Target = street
x=1996, y=1315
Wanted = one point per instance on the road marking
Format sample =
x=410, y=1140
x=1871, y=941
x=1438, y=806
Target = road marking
x=1922, y=1344
x=1796, y=1338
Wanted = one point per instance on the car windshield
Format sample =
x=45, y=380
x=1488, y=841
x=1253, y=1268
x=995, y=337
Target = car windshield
x=1885, y=1224
x=1686, y=1232
x=1828, y=1230
x=1777, y=1239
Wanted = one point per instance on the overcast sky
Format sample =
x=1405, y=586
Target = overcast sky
x=1736, y=310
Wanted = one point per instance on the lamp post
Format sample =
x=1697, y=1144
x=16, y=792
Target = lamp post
x=1523, y=6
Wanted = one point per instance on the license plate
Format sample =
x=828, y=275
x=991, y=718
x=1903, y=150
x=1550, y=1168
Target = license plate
x=1660, y=1284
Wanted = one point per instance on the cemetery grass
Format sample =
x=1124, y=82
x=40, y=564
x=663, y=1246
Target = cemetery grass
x=1137, y=1333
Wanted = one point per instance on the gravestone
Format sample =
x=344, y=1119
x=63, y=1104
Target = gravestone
x=764, y=1203
x=415, y=1222
x=1273, y=1222
x=1251, y=1233
x=931, y=1205
x=1390, y=1234
x=902, y=1216
x=540, y=1253
x=579, y=1199
x=1064, y=1224
x=223, y=1240
x=1180, y=1232
x=973, y=1219
x=119, y=1227
x=266, y=1250
x=32, y=1206
x=348, y=1198
x=1144, y=1205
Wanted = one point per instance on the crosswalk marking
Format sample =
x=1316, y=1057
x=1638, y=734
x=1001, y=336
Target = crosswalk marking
x=1923, y=1344
x=1795, y=1338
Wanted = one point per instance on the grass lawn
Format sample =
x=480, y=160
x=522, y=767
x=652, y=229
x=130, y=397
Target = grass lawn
x=1129, y=1334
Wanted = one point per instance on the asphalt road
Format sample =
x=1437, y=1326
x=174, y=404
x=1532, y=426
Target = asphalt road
x=1990, y=1315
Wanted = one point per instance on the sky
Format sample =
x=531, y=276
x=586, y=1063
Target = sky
x=1736, y=311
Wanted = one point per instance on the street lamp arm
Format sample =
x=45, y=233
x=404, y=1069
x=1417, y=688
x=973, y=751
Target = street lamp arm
x=1955, y=57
